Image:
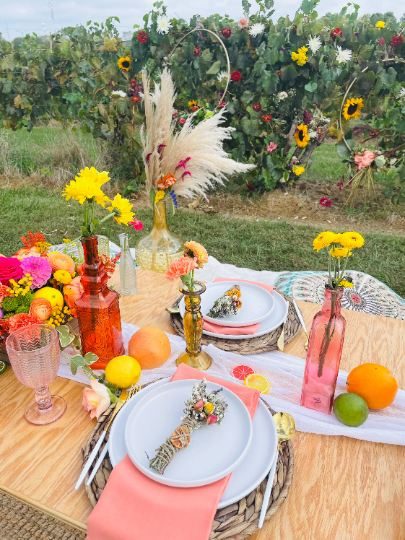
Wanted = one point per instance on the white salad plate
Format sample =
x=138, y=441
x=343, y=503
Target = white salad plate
x=276, y=318
x=257, y=303
x=250, y=472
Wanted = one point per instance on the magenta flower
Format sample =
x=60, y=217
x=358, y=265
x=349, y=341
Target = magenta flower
x=272, y=146
x=136, y=224
x=182, y=163
x=325, y=201
x=39, y=269
x=381, y=42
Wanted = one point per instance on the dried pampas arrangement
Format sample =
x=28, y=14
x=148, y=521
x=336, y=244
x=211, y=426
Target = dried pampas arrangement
x=194, y=155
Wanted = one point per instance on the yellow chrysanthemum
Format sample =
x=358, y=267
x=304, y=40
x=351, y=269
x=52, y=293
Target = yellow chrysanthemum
x=62, y=276
x=86, y=185
x=194, y=250
x=300, y=57
x=159, y=196
x=122, y=210
x=124, y=63
x=352, y=108
x=324, y=239
x=352, y=240
x=301, y=136
x=339, y=253
x=298, y=170
x=380, y=24
x=345, y=283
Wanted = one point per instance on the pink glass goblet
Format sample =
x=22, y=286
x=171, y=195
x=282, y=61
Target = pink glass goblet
x=34, y=354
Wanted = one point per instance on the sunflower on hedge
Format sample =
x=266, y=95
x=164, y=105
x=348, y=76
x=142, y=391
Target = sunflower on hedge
x=124, y=63
x=301, y=135
x=352, y=108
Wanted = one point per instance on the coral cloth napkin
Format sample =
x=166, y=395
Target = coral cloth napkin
x=240, y=330
x=135, y=507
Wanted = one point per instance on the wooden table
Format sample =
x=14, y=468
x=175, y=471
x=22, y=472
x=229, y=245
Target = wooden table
x=343, y=489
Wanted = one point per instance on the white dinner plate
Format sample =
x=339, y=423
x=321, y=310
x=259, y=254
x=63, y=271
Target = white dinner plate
x=214, y=452
x=257, y=303
x=277, y=317
x=250, y=472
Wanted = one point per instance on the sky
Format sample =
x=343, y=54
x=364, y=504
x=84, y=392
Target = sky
x=25, y=16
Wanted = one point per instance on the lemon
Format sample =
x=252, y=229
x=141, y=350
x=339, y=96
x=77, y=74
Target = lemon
x=258, y=382
x=123, y=371
x=350, y=409
x=53, y=296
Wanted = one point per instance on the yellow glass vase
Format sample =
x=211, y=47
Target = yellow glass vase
x=160, y=247
x=193, y=356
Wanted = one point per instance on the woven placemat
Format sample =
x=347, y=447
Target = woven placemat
x=235, y=522
x=253, y=345
x=20, y=521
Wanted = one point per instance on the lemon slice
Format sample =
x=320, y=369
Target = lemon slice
x=258, y=382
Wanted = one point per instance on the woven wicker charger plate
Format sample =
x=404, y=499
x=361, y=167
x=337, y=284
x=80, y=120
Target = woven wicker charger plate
x=235, y=522
x=253, y=345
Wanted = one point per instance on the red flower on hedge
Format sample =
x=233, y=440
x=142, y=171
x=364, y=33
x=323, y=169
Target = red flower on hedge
x=221, y=105
x=257, y=107
x=195, y=108
x=136, y=99
x=278, y=73
x=133, y=83
x=251, y=187
x=336, y=32
x=236, y=76
x=325, y=201
x=197, y=50
x=226, y=32
x=266, y=117
x=142, y=36
x=397, y=40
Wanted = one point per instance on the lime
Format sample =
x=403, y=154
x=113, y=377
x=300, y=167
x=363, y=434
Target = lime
x=3, y=367
x=350, y=409
x=123, y=371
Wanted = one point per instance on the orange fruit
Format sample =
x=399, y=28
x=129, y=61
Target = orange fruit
x=374, y=383
x=150, y=347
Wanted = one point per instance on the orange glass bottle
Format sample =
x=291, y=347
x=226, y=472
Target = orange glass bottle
x=98, y=310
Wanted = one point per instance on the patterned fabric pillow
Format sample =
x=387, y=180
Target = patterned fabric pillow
x=367, y=295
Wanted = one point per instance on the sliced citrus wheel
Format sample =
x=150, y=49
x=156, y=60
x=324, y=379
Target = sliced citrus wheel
x=258, y=382
x=3, y=367
x=241, y=372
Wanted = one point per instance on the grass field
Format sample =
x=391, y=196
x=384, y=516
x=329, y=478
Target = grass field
x=261, y=245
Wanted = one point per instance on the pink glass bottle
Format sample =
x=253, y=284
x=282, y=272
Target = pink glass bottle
x=324, y=352
x=98, y=310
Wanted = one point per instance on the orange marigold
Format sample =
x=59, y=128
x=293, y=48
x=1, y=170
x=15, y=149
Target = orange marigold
x=196, y=251
x=166, y=181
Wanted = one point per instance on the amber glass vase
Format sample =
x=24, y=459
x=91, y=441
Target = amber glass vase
x=160, y=247
x=324, y=352
x=193, y=326
x=98, y=310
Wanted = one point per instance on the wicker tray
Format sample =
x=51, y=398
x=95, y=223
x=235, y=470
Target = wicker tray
x=235, y=522
x=253, y=345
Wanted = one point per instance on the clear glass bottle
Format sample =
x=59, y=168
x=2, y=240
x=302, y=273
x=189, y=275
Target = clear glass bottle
x=160, y=247
x=324, y=352
x=127, y=267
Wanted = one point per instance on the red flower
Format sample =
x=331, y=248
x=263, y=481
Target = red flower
x=197, y=51
x=226, y=32
x=295, y=28
x=236, y=76
x=221, y=105
x=181, y=121
x=266, y=117
x=136, y=99
x=257, y=107
x=278, y=73
x=133, y=83
x=397, y=40
x=381, y=43
x=142, y=36
x=10, y=268
x=251, y=187
x=195, y=108
x=336, y=32
x=374, y=133
x=325, y=201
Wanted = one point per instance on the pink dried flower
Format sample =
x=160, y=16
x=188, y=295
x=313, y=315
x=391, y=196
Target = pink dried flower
x=272, y=146
x=243, y=23
x=39, y=269
x=136, y=224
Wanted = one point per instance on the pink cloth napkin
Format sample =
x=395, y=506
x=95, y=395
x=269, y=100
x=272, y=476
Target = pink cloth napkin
x=135, y=507
x=240, y=330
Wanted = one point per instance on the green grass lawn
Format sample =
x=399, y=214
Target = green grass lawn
x=261, y=245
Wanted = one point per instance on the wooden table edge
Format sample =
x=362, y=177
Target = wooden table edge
x=44, y=509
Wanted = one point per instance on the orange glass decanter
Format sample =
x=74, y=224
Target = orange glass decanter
x=98, y=310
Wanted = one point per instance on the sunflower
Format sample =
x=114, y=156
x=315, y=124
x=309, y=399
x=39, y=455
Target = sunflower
x=344, y=283
x=301, y=135
x=352, y=240
x=192, y=103
x=122, y=210
x=323, y=240
x=194, y=250
x=124, y=63
x=352, y=108
x=339, y=253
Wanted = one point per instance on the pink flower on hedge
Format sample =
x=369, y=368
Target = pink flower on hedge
x=272, y=146
x=136, y=224
x=365, y=160
x=381, y=42
x=39, y=269
x=243, y=23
